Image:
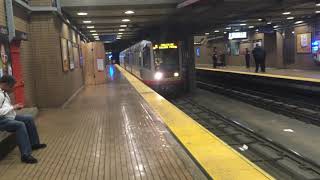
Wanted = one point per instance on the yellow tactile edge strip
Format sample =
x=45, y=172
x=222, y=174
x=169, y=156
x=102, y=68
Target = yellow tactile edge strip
x=264, y=75
x=218, y=159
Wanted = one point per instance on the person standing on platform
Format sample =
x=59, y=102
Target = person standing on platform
x=223, y=59
x=248, y=57
x=259, y=55
x=23, y=126
x=215, y=57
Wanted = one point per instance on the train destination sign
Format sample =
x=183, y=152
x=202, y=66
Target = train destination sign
x=165, y=46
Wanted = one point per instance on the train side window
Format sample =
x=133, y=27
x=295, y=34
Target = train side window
x=146, y=57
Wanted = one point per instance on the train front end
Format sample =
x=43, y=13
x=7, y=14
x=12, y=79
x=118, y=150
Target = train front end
x=167, y=64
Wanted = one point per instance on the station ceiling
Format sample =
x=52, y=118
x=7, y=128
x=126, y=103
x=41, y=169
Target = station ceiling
x=104, y=18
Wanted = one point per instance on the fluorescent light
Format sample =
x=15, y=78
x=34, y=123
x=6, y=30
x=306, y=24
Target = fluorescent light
x=87, y=22
x=95, y=34
x=289, y=18
x=286, y=13
x=90, y=27
x=298, y=22
x=228, y=28
x=126, y=20
x=206, y=34
x=129, y=12
x=243, y=24
x=82, y=13
x=121, y=29
x=118, y=38
x=317, y=12
x=288, y=130
x=257, y=30
x=120, y=33
x=123, y=25
x=269, y=22
x=275, y=26
x=216, y=31
x=292, y=32
x=318, y=4
x=237, y=30
x=224, y=32
x=259, y=19
x=251, y=27
x=93, y=31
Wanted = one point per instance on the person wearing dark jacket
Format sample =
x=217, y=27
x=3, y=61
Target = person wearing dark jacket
x=215, y=57
x=248, y=57
x=259, y=55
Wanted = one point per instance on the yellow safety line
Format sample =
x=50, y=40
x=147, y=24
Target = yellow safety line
x=218, y=159
x=264, y=75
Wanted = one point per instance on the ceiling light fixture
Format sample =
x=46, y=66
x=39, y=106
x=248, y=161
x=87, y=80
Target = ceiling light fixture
x=317, y=12
x=298, y=22
x=93, y=31
x=82, y=13
x=206, y=34
x=286, y=13
x=224, y=32
x=237, y=30
x=251, y=27
x=228, y=28
x=275, y=26
x=121, y=29
x=126, y=20
x=90, y=27
x=290, y=18
x=95, y=34
x=243, y=24
x=120, y=33
x=269, y=22
x=259, y=19
x=129, y=12
x=87, y=22
x=123, y=25
x=216, y=31
x=318, y=4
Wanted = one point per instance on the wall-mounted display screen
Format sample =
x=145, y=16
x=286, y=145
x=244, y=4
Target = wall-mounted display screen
x=238, y=35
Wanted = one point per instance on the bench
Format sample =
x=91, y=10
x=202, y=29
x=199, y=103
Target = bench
x=7, y=140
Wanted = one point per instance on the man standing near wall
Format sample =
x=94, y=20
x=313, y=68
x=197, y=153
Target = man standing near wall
x=259, y=55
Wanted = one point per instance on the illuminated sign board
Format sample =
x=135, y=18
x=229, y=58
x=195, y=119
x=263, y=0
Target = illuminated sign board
x=165, y=46
x=238, y=35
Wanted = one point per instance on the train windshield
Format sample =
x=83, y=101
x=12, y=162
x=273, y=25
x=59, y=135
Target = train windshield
x=166, y=59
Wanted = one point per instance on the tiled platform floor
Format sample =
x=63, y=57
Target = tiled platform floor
x=107, y=132
x=274, y=71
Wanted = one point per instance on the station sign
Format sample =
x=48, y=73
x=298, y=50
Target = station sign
x=238, y=35
x=165, y=46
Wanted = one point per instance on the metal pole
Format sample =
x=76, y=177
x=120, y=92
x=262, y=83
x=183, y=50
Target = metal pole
x=10, y=20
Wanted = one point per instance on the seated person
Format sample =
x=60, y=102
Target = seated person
x=23, y=126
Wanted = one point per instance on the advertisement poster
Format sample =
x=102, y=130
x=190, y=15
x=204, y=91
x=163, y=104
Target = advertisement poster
x=76, y=56
x=304, y=43
x=235, y=48
x=5, y=66
x=100, y=64
x=65, y=59
x=71, y=58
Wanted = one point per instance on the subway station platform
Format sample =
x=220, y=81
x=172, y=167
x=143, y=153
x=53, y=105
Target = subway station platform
x=285, y=74
x=124, y=130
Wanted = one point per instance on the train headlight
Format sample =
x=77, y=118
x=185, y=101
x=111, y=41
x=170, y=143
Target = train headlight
x=176, y=74
x=158, y=75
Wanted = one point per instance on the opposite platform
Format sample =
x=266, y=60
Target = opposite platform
x=106, y=132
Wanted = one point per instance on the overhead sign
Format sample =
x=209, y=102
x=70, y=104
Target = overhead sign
x=165, y=46
x=238, y=35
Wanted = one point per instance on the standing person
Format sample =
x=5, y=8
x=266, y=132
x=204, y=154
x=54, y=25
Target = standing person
x=215, y=57
x=23, y=126
x=259, y=55
x=223, y=58
x=247, y=57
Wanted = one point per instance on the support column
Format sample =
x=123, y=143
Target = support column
x=17, y=71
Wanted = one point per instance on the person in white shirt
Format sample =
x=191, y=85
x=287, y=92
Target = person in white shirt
x=23, y=126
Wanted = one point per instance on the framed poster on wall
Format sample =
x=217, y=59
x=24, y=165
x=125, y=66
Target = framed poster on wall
x=76, y=56
x=64, y=54
x=71, y=58
x=303, y=43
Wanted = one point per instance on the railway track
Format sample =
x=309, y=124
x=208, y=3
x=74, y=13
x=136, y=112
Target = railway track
x=303, y=111
x=280, y=162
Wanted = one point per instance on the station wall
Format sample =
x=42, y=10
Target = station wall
x=2, y=13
